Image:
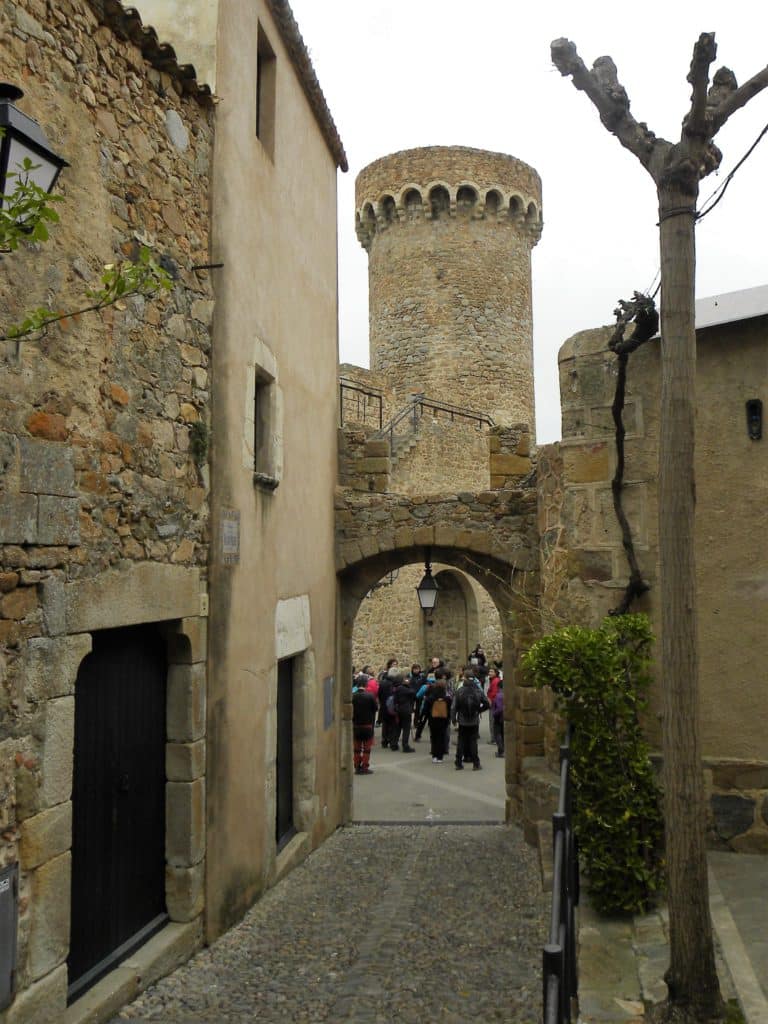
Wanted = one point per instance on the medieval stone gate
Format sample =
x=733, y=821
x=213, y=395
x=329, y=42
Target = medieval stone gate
x=492, y=537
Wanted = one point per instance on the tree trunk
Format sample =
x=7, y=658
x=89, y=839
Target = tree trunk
x=692, y=978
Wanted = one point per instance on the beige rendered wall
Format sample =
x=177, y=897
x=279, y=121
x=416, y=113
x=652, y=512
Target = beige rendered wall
x=190, y=27
x=275, y=232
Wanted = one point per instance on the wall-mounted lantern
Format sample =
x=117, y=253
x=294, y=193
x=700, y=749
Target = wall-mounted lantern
x=22, y=138
x=428, y=588
x=755, y=419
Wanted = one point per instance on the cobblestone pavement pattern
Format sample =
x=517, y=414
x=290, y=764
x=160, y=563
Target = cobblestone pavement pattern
x=439, y=924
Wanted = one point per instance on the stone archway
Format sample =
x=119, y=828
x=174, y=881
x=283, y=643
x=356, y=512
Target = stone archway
x=514, y=594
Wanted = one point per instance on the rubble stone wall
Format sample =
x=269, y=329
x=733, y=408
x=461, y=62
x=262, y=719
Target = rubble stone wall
x=103, y=483
x=449, y=232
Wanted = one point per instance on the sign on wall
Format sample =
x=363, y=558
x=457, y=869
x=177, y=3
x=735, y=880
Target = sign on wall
x=328, y=701
x=230, y=536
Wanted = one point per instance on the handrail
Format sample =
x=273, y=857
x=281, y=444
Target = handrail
x=560, y=981
x=367, y=392
x=415, y=410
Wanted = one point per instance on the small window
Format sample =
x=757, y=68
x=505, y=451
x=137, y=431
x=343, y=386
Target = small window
x=263, y=430
x=266, y=82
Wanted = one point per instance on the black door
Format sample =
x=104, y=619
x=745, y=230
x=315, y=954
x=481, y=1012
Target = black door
x=284, y=824
x=118, y=802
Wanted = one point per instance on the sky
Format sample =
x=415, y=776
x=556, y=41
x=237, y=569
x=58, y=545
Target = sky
x=408, y=73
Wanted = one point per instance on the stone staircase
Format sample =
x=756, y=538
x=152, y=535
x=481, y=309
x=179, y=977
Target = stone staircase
x=404, y=444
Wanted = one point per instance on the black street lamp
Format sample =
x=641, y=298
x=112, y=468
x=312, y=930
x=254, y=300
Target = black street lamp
x=428, y=588
x=22, y=139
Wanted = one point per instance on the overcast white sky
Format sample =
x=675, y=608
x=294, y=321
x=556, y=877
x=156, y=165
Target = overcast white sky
x=404, y=73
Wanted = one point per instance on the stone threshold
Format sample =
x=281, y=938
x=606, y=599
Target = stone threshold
x=172, y=946
x=296, y=850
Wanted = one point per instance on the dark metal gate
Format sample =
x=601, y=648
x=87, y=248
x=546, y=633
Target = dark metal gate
x=118, y=802
x=284, y=826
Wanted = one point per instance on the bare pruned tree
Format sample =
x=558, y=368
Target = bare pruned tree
x=676, y=169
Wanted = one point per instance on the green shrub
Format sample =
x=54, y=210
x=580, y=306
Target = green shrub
x=599, y=678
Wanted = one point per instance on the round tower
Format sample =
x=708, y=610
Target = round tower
x=449, y=232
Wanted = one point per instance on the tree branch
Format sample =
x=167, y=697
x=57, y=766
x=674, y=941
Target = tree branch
x=736, y=99
x=609, y=96
x=704, y=52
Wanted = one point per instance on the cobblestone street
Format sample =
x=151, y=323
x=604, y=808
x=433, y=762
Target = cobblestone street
x=382, y=923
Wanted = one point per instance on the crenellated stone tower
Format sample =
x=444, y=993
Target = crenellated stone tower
x=449, y=232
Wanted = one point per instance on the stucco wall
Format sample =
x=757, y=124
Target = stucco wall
x=190, y=27
x=275, y=232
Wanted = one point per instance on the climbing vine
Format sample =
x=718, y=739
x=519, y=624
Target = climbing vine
x=640, y=310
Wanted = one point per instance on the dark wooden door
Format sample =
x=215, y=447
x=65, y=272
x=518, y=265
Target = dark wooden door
x=284, y=828
x=118, y=801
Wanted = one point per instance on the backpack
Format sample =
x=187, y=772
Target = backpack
x=468, y=700
x=390, y=704
x=440, y=708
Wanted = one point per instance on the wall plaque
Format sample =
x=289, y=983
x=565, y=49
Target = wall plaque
x=230, y=536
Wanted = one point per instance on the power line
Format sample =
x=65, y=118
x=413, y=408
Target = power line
x=719, y=192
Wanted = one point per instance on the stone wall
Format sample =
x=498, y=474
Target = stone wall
x=585, y=570
x=390, y=623
x=103, y=504
x=449, y=232
x=365, y=397
x=441, y=456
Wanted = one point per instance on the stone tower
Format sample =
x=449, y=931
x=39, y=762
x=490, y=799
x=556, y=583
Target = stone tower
x=449, y=232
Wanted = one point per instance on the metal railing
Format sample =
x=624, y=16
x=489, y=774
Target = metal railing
x=560, y=981
x=359, y=404
x=407, y=419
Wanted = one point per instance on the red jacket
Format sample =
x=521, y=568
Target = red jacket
x=493, y=688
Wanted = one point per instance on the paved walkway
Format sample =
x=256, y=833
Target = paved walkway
x=408, y=787
x=622, y=962
x=394, y=921
x=381, y=924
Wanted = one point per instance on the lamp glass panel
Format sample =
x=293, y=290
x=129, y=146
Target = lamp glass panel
x=43, y=173
x=427, y=593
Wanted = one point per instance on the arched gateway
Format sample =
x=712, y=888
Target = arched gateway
x=491, y=536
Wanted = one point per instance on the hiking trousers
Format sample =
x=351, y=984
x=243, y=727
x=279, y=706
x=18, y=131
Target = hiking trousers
x=466, y=744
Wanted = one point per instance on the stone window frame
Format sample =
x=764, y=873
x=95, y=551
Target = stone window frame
x=266, y=93
x=262, y=448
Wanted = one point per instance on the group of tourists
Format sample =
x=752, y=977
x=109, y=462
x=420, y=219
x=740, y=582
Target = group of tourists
x=402, y=703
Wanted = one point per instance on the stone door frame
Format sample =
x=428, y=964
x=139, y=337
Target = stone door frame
x=170, y=597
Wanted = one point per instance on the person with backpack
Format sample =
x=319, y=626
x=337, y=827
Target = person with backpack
x=386, y=718
x=468, y=704
x=493, y=688
x=422, y=681
x=497, y=718
x=402, y=698
x=363, y=717
x=437, y=708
